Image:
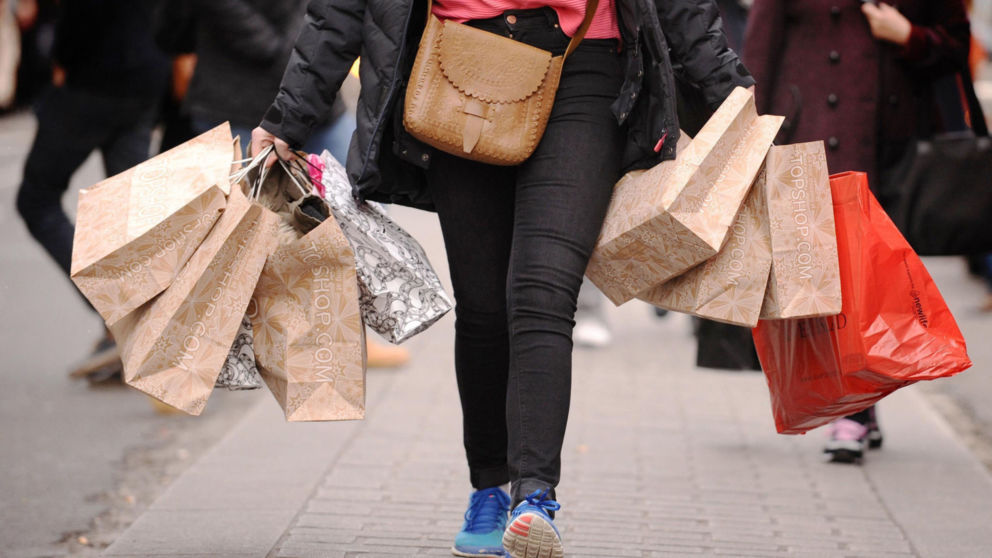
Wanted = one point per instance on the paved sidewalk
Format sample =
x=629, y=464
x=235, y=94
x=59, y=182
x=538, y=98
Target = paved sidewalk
x=661, y=459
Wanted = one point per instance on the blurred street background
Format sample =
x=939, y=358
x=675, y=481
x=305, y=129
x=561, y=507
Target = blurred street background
x=82, y=462
x=89, y=466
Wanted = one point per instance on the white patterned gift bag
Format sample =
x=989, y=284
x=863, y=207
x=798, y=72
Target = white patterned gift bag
x=401, y=294
x=240, y=371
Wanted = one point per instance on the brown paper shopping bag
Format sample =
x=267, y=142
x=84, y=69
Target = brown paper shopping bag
x=676, y=215
x=309, y=336
x=805, y=276
x=136, y=230
x=729, y=287
x=174, y=347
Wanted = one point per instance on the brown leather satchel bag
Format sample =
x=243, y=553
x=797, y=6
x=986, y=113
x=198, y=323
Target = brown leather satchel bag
x=482, y=96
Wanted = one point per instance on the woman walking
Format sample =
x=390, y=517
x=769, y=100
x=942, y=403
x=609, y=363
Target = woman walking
x=862, y=76
x=518, y=238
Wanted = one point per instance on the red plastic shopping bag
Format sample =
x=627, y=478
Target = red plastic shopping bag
x=894, y=327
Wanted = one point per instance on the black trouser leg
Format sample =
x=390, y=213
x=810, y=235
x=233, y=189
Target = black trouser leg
x=518, y=242
x=71, y=124
x=475, y=207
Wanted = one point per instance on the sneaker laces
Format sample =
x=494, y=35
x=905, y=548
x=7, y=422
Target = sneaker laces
x=540, y=499
x=486, y=511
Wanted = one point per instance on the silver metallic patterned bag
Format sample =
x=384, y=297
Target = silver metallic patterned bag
x=401, y=294
x=239, y=371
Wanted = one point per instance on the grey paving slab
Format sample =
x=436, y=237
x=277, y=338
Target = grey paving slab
x=660, y=459
x=239, y=498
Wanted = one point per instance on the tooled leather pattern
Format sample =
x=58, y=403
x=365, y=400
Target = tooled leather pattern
x=490, y=67
x=433, y=110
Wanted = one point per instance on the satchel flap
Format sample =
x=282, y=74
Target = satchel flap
x=490, y=67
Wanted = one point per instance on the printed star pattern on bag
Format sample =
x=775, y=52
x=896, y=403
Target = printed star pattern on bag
x=174, y=347
x=665, y=221
x=309, y=336
x=136, y=230
x=805, y=275
x=730, y=286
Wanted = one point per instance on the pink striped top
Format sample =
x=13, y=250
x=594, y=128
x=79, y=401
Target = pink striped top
x=570, y=13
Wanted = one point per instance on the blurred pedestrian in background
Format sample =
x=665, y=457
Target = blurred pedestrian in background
x=35, y=25
x=175, y=33
x=241, y=49
x=863, y=77
x=107, y=80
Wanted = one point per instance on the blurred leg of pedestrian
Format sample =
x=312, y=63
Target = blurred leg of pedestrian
x=985, y=270
x=71, y=125
x=725, y=347
x=591, y=328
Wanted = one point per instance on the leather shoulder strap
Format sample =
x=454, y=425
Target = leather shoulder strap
x=591, y=6
x=975, y=111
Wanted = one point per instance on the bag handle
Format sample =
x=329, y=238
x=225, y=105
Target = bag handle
x=580, y=33
x=975, y=112
x=963, y=87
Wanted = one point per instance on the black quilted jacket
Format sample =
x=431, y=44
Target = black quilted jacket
x=386, y=164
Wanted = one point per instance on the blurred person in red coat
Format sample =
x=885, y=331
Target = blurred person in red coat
x=862, y=77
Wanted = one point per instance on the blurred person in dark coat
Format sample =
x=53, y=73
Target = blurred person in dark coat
x=242, y=47
x=861, y=76
x=108, y=78
x=36, y=20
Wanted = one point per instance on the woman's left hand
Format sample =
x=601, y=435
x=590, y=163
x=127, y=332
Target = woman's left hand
x=887, y=24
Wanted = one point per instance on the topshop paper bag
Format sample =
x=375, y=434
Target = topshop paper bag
x=136, y=230
x=174, y=347
x=805, y=276
x=894, y=328
x=729, y=287
x=309, y=337
x=401, y=295
x=676, y=215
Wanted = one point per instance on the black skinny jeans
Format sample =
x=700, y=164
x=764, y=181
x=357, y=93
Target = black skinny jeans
x=518, y=240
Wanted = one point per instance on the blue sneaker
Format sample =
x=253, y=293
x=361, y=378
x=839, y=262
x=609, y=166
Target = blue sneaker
x=532, y=532
x=485, y=521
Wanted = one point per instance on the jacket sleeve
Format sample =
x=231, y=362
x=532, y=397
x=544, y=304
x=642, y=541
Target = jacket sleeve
x=697, y=42
x=241, y=26
x=174, y=27
x=764, y=38
x=941, y=45
x=328, y=45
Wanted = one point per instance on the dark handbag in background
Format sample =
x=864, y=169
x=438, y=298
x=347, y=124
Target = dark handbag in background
x=944, y=185
x=724, y=346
